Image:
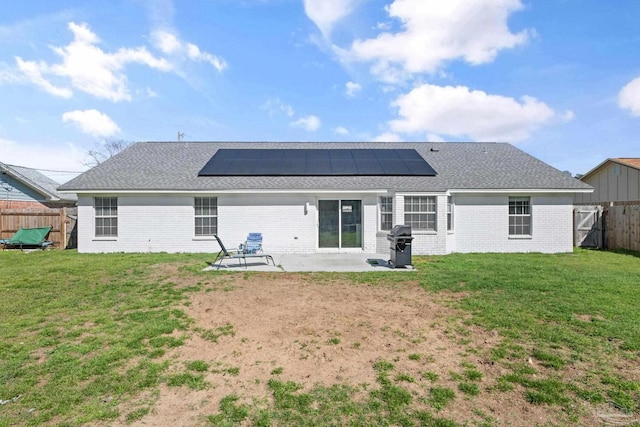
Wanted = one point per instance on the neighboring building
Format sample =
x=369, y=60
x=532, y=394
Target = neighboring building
x=333, y=197
x=25, y=188
x=614, y=180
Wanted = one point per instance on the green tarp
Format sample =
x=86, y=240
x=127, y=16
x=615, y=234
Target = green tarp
x=29, y=237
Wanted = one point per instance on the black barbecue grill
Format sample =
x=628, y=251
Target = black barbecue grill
x=400, y=238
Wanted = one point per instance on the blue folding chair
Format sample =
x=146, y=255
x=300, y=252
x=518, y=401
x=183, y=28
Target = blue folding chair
x=240, y=256
x=253, y=245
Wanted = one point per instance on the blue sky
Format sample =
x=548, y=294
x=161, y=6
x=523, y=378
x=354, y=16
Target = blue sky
x=558, y=78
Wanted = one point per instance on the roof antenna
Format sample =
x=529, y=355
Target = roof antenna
x=181, y=136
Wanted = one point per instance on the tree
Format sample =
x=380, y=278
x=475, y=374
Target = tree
x=105, y=149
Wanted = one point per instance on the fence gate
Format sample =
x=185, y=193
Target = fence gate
x=588, y=227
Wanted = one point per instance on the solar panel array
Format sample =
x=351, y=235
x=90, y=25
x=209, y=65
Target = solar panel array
x=316, y=162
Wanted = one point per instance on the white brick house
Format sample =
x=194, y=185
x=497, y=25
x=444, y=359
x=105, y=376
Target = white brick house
x=484, y=197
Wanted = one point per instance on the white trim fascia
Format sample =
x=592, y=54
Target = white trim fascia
x=521, y=190
x=421, y=193
x=214, y=191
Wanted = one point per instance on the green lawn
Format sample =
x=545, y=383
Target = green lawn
x=565, y=311
x=80, y=334
x=100, y=320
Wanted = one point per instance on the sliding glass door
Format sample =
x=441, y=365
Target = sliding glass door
x=340, y=223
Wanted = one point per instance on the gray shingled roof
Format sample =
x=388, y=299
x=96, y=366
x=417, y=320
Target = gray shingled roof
x=174, y=166
x=39, y=182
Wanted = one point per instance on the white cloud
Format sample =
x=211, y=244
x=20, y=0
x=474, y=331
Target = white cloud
x=435, y=32
x=165, y=41
x=32, y=71
x=64, y=157
x=568, y=116
x=433, y=137
x=92, y=122
x=629, y=97
x=388, y=137
x=383, y=26
x=326, y=13
x=169, y=44
x=352, y=88
x=88, y=68
x=7, y=75
x=341, y=130
x=196, y=54
x=310, y=123
x=275, y=105
x=460, y=112
x=150, y=93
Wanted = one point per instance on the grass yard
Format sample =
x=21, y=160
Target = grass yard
x=478, y=340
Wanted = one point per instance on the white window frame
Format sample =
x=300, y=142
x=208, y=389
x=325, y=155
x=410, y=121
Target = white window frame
x=205, y=216
x=520, y=216
x=105, y=216
x=386, y=202
x=421, y=212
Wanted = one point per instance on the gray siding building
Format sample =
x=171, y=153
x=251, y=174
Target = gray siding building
x=614, y=180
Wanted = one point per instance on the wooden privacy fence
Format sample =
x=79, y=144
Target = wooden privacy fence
x=62, y=234
x=622, y=226
x=608, y=226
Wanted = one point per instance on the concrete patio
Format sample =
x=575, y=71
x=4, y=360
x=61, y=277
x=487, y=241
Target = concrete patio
x=356, y=262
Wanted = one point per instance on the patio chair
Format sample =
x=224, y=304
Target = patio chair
x=253, y=244
x=240, y=256
x=28, y=238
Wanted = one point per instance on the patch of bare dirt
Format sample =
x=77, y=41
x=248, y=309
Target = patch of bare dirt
x=588, y=317
x=329, y=333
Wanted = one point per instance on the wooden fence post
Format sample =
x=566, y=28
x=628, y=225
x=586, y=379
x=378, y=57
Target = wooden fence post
x=63, y=228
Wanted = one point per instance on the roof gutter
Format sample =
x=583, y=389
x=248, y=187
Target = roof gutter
x=521, y=190
x=234, y=191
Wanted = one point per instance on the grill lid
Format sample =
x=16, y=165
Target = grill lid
x=400, y=230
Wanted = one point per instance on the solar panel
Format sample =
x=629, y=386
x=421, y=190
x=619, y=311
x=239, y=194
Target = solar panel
x=369, y=167
x=318, y=167
x=299, y=155
x=294, y=166
x=316, y=162
x=316, y=154
x=343, y=166
x=244, y=167
x=408, y=154
x=395, y=167
x=419, y=167
x=271, y=155
x=340, y=154
x=363, y=154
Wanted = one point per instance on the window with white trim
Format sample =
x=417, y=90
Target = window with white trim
x=106, y=216
x=450, y=213
x=206, y=216
x=420, y=212
x=386, y=213
x=519, y=216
